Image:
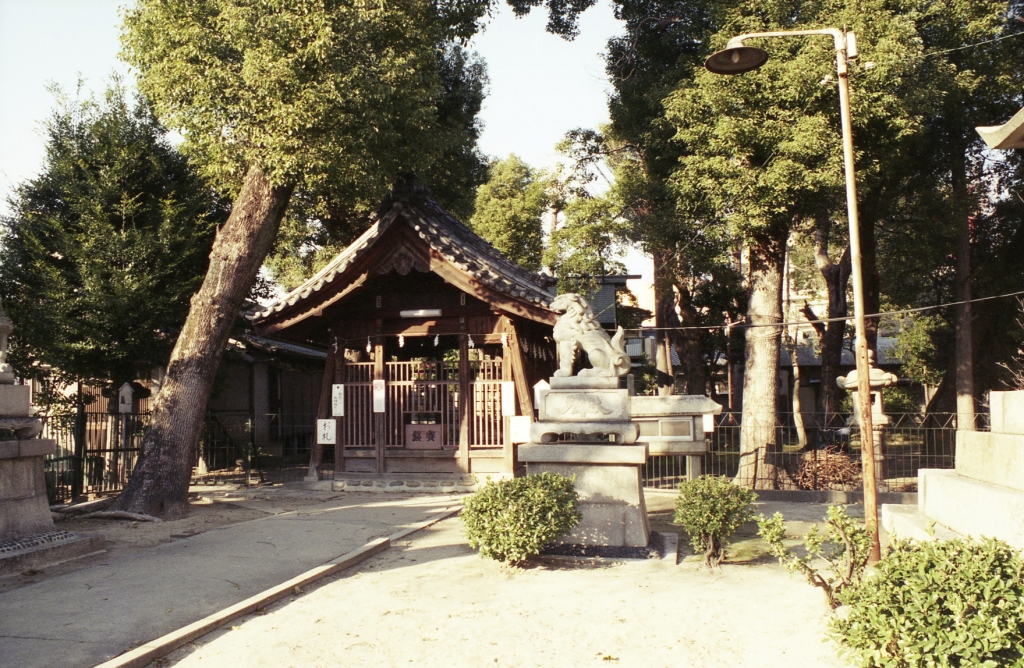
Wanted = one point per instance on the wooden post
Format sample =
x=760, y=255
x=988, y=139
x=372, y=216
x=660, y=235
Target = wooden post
x=466, y=403
x=339, y=377
x=523, y=389
x=323, y=412
x=380, y=436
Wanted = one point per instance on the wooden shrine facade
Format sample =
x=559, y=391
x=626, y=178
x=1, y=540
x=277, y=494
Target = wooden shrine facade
x=434, y=340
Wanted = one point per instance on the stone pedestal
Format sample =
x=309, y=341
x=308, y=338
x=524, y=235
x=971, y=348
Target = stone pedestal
x=28, y=538
x=607, y=478
x=984, y=494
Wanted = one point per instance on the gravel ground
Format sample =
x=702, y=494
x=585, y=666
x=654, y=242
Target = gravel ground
x=431, y=601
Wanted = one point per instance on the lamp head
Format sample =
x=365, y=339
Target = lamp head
x=736, y=59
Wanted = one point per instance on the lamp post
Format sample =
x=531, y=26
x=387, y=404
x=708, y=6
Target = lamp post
x=737, y=58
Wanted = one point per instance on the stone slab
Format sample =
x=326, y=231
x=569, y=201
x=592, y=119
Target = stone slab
x=37, y=447
x=676, y=404
x=991, y=457
x=584, y=405
x=49, y=554
x=664, y=445
x=584, y=382
x=971, y=507
x=14, y=400
x=582, y=454
x=611, y=501
x=907, y=522
x=1007, y=412
x=667, y=545
x=547, y=432
x=24, y=509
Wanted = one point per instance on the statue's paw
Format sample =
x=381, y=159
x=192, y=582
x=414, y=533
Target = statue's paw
x=562, y=374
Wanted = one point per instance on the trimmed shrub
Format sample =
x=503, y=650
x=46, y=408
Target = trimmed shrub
x=710, y=509
x=937, y=603
x=512, y=520
x=844, y=547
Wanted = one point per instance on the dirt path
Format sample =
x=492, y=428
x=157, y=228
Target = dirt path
x=432, y=601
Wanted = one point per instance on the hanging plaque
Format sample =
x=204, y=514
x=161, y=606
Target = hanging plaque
x=338, y=400
x=378, y=396
x=326, y=432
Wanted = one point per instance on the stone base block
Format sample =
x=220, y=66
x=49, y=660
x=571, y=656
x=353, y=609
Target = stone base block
x=611, y=501
x=46, y=550
x=907, y=522
x=582, y=454
x=991, y=457
x=1007, y=411
x=14, y=400
x=972, y=507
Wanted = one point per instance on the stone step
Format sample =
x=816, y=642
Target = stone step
x=907, y=522
x=972, y=507
x=991, y=457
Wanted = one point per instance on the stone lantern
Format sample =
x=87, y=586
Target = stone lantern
x=877, y=379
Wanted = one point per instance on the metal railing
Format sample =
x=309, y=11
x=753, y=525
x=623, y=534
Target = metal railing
x=822, y=455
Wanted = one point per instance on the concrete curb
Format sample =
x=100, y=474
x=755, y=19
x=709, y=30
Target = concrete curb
x=142, y=655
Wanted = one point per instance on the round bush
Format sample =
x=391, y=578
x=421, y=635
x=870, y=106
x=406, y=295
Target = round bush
x=710, y=509
x=937, y=603
x=512, y=520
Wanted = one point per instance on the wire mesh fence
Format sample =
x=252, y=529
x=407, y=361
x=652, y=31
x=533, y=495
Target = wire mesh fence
x=817, y=452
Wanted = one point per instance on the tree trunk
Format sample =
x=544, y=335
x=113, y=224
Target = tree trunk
x=830, y=334
x=964, y=349
x=688, y=343
x=159, y=483
x=760, y=379
x=664, y=317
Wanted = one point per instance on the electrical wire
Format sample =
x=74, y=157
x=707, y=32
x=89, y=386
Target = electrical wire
x=750, y=325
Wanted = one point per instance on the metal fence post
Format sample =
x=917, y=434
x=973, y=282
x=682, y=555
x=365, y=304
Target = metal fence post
x=78, y=463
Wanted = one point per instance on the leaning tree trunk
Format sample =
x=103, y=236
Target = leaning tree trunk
x=758, y=442
x=830, y=334
x=159, y=483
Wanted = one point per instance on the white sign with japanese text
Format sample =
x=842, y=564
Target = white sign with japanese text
x=326, y=432
x=338, y=400
x=378, y=396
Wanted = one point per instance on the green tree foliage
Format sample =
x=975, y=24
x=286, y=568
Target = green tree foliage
x=318, y=226
x=509, y=210
x=102, y=250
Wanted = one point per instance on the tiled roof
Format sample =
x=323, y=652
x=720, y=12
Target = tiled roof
x=447, y=236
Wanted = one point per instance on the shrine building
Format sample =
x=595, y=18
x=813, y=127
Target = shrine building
x=434, y=340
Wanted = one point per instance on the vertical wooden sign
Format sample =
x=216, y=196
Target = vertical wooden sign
x=338, y=400
x=378, y=396
x=326, y=432
x=508, y=398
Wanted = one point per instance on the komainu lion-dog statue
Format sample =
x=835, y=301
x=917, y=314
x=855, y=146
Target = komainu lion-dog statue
x=577, y=328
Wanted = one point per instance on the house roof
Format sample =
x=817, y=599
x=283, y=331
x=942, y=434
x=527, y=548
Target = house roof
x=475, y=260
x=808, y=356
x=1006, y=136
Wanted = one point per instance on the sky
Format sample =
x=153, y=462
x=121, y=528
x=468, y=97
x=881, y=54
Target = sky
x=541, y=86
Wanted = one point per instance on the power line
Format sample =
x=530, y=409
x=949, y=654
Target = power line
x=745, y=325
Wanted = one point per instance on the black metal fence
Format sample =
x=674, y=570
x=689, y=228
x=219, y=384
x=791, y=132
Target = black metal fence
x=819, y=452
x=96, y=452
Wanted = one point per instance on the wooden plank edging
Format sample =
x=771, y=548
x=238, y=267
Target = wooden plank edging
x=144, y=654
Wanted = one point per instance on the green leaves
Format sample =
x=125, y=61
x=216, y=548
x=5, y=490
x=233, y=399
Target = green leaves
x=105, y=247
x=509, y=207
x=512, y=520
x=710, y=509
x=937, y=603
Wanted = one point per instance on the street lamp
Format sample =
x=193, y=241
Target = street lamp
x=737, y=58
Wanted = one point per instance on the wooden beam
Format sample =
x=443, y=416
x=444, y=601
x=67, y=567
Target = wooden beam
x=323, y=412
x=466, y=403
x=338, y=377
x=380, y=444
x=315, y=310
x=523, y=389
